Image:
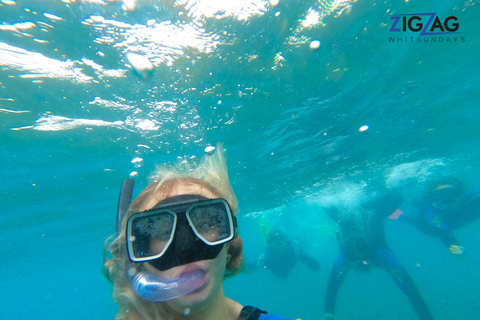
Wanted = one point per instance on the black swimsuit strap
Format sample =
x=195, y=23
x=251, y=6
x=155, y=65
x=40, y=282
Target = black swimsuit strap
x=250, y=313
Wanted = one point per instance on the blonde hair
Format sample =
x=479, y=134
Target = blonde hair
x=211, y=173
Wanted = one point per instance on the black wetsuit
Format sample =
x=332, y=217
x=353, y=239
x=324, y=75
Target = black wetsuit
x=283, y=265
x=362, y=243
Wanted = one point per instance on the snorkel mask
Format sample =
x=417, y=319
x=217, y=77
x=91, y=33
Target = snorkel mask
x=446, y=197
x=177, y=231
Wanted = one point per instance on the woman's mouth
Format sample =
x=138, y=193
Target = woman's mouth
x=196, y=277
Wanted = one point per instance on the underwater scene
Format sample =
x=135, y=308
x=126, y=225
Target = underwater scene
x=351, y=129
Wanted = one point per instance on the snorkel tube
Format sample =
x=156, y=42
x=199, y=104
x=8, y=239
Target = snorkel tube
x=153, y=289
x=123, y=203
x=145, y=284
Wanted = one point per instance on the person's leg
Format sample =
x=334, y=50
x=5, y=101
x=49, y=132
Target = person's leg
x=387, y=261
x=337, y=275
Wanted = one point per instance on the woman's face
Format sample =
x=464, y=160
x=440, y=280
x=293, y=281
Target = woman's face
x=214, y=269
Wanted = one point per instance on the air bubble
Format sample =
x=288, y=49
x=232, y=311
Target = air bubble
x=137, y=162
x=209, y=150
x=315, y=44
x=363, y=128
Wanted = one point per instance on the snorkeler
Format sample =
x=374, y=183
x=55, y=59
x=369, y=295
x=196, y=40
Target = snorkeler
x=361, y=238
x=281, y=256
x=444, y=207
x=175, y=243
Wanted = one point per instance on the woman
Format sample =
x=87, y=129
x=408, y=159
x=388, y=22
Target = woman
x=175, y=244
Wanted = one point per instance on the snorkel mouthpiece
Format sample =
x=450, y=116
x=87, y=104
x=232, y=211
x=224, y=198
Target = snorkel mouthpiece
x=151, y=288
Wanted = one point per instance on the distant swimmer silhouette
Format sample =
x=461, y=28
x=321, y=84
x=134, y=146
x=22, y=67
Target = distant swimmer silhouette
x=281, y=256
x=445, y=206
x=361, y=238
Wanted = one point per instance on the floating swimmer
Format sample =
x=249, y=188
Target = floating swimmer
x=444, y=207
x=281, y=255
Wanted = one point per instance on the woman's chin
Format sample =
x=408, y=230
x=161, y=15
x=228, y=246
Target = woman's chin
x=195, y=299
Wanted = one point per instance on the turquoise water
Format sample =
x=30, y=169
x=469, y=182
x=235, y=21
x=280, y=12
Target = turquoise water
x=74, y=115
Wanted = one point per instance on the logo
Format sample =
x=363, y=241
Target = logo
x=427, y=27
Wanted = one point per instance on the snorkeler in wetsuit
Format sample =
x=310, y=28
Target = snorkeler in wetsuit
x=446, y=206
x=281, y=255
x=361, y=238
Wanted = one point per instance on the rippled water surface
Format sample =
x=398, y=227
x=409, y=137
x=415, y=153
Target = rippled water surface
x=310, y=98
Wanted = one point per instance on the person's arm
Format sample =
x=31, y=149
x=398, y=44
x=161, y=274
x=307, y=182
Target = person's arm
x=409, y=219
x=413, y=216
x=253, y=265
x=448, y=239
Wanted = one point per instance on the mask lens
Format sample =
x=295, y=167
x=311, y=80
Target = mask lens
x=446, y=198
x=211, y=221
x=149, y=234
